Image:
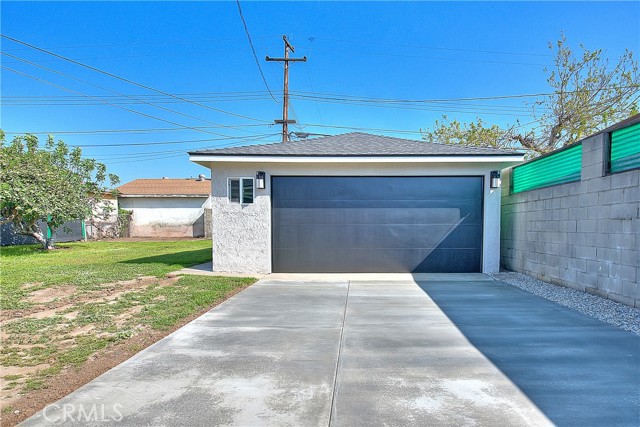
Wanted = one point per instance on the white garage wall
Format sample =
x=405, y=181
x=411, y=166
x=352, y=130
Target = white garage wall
x=166, y=216
x=242, y=234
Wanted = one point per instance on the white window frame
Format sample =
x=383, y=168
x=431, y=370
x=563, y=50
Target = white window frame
x=241, y=180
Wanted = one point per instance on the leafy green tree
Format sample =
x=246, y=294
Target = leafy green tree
x=53, y=184
x=586, y=97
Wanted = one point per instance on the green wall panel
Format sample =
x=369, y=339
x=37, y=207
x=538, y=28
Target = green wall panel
x=558, y=168
x=625, y=148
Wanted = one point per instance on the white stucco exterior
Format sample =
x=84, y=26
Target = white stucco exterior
x=165, y=216
x=242, y=233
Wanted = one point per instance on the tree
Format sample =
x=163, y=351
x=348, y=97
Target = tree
x=586, y=97
x=53, y=184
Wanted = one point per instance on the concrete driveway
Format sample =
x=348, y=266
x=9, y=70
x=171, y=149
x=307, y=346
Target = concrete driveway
x=371, y=350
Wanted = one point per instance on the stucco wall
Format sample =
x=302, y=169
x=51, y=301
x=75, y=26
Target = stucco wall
x=166, y=216
x=584, y=235
x=242, y=234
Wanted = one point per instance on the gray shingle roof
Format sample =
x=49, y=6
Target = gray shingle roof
x=355, y=144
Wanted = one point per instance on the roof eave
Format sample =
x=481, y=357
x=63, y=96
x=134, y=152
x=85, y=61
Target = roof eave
x=203, y=159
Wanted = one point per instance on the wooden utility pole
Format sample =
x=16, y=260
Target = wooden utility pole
x=285, y=96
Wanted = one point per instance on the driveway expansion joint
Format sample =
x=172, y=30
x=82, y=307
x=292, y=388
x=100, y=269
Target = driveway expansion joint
x=334, y=391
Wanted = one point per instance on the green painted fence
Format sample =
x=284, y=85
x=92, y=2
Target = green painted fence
x=554, y=169
x=625, y=148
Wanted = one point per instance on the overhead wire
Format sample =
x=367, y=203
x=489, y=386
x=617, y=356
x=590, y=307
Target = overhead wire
x=109, y=131
x=134, y=144
x=417, y=46
x=161, y=157
x=306, y=67
x=118, y=93
x=108, y=103
x=183, y=150
x=334, y=96
x=127, y=80
x=253, y=50
x=437, y=58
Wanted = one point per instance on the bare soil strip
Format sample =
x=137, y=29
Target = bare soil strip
x=69, y=379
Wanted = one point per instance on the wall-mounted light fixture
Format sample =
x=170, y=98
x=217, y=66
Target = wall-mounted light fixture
x=495, y=179
x=260, y=180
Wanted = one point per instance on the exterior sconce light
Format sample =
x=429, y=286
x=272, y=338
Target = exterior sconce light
x=260, y=180
x=495, y=179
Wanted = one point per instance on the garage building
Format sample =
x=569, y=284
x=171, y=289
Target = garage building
x=355, y=203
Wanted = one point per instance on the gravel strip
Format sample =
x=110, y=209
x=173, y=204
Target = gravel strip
x=614, y=313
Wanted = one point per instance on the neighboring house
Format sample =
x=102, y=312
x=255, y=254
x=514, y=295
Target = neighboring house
x=166, y=207
x=355, y=203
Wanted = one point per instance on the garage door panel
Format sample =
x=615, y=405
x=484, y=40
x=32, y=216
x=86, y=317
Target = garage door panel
x=342, y=260
x=381, y=216
x=376, y=224
x=367, y=236
x=451, y=261
x=333, y=190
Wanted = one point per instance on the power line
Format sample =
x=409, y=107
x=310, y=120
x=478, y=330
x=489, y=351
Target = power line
x=161, y=157
x=334, y=96
x=108, y=131
x=133, y=144
x=222, y=94
x=321, y=125
x=310, y=38
x=423, y=108
x=163, y=43
x=182, y=150
x=477, y=98
x=414, y=46
x=145, y=55
x=313, y=90
x=435, y=106
x=108, y=103
x=253, y=50
x=437, y=58
x=127, y=80
x=117, y=93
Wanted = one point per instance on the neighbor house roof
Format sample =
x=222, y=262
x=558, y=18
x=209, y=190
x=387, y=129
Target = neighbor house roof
x=355, y=144
x=185, y=187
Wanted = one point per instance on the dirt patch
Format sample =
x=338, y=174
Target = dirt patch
x=51, y=301
x=51, y=312
x=123, y=317
x=84, y=330
x=70, y=379
x=46, y=295
x=22, y=370
x=113, y=290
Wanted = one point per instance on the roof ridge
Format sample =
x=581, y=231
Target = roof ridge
x=357, y=144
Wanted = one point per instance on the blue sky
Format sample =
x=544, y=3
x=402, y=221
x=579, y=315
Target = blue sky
x=199, y=51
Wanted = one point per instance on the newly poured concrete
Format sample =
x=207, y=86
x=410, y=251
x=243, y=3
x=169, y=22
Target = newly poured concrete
x=373, y=350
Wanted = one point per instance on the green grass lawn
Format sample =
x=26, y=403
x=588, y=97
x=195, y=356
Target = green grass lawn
x=87, y=264
x=80, y=309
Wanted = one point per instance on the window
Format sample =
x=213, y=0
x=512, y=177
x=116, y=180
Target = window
x=241, y=190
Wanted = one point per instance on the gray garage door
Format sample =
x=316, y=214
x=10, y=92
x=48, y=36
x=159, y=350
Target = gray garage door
x=377, y=224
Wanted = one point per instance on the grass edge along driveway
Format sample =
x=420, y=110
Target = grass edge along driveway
x=65, y=307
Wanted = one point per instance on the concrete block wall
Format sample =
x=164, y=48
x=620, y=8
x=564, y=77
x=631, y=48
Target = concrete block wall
x=584, y=235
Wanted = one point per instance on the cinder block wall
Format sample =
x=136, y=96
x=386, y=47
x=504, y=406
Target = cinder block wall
x=584, y=235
